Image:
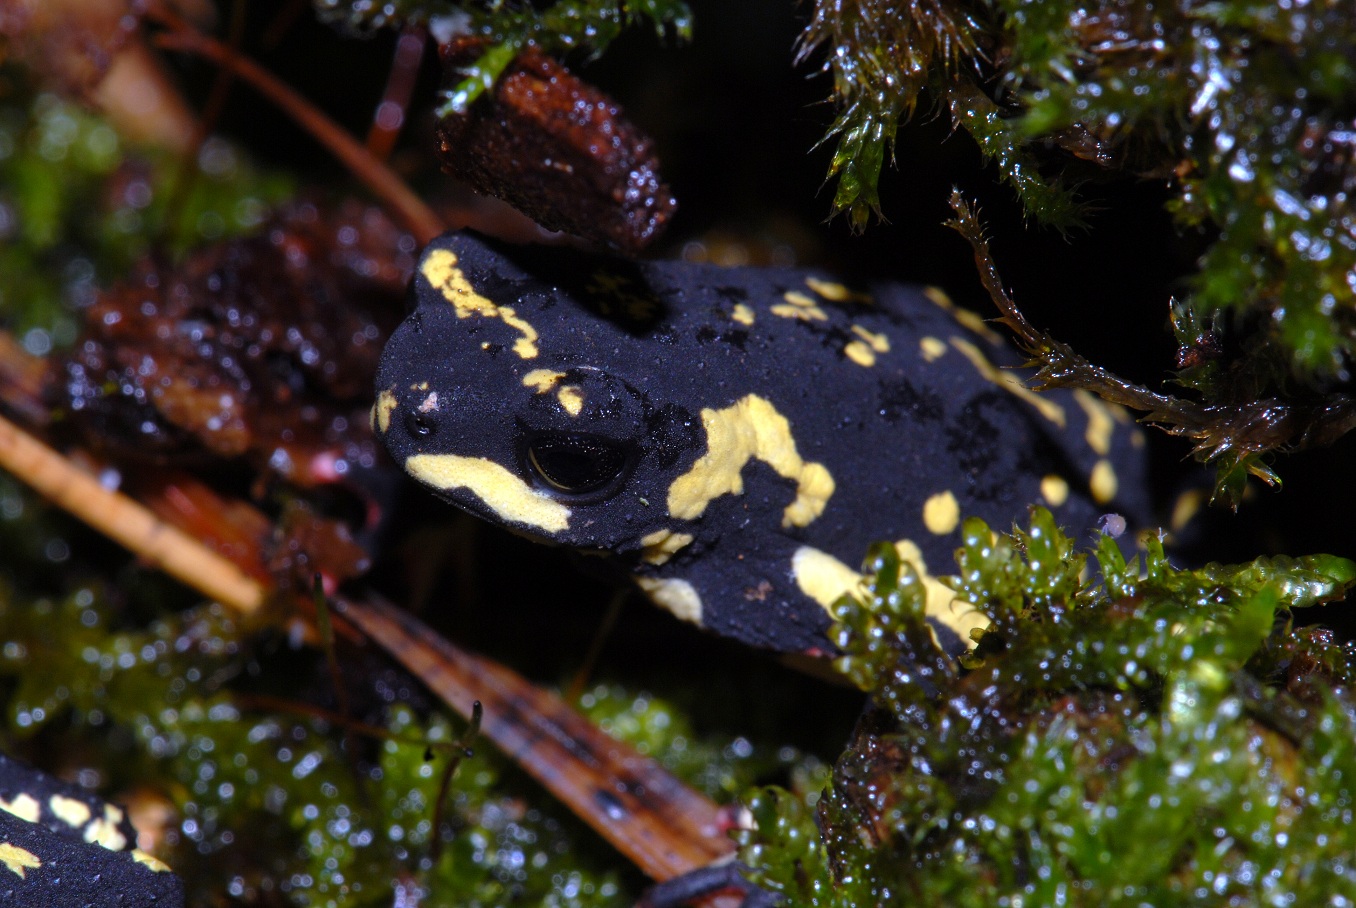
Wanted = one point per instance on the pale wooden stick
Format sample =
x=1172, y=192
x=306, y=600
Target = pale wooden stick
x=126, y=522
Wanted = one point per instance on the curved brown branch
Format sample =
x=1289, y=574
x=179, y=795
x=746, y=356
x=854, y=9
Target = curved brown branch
x=402, y=202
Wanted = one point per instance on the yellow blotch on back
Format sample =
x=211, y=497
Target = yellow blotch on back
x=150, y=861
x=1186, y=507
x=863, y=351
x=822, y=577
x=661, y=545
x=836, y=292
x=24, y=806
x=743, y=313
x=1100, y=422
x=511, y=499
x=800, y=306
x=440, y=269
x=944, y=606
x=941, y=513
x=678, y=596
x=747, y=429
x=825, y=579
x=964, y=316
x=104, y=830
x=70, y=811
x=932, y=348
x=1010, y=382
x=18, y=860
x=1103, y=483
x=1054, y=489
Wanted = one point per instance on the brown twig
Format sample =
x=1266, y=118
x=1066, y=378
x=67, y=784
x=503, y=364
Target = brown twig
x=395, y=99
x=664, y=827
x=404, y=205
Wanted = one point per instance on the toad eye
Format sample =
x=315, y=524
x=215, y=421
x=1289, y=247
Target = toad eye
x=577, y=464
x=420, y=425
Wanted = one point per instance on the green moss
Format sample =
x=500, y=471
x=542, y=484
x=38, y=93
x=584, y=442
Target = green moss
x=78, y=207
x=272, y=801
x=565, y=26
x=1145, y=735
x=718, y=767
x=1244, y=109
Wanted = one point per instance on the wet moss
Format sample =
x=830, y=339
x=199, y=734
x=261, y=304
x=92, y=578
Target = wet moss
x=1135, y=735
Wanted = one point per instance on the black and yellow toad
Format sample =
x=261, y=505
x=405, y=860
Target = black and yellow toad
x=735, y=438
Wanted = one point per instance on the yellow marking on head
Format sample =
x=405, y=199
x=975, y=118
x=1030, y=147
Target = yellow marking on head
x=24, y=806
x=863, y=352
x=943, y=605
x=822, y=577
x=1185, y=509
x=440, y=269
x=678, y=596
x=1010, y=382
x=381, y=411
x=964, y=316
x=571, y=397
x=69, y=811
x=836, y=292
x=19, y=860
x=150, y=861
x=1103, y=482
x=941, y=513
x=1054, y=489
x=511, y=499
x=801, y=307
x=932, y=348
x=747, y=429
x=1100, y=422
x=743, y=314
x=661, y=545
x=542, y=380
x=104, y=830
